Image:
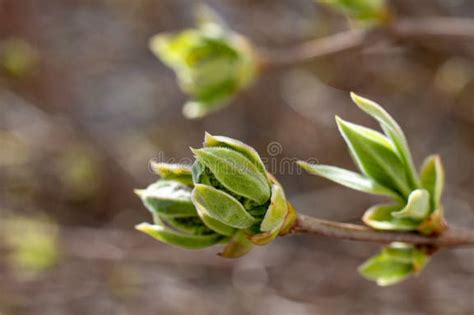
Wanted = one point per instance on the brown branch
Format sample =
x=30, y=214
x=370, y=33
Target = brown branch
x=450, y=238
x=440, y=27
x=445, y=28
x=317, y=48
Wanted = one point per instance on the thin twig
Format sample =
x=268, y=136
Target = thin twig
x=445, y=28
x=320, y=47
x=450, y=238
x=440, y=27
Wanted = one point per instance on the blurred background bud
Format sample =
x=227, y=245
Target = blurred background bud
x=18, y=57
x=32, y=244
x=212, y=63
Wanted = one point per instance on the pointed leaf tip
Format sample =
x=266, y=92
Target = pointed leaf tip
x=139, y=192
x=393, y=131
x=347, y=178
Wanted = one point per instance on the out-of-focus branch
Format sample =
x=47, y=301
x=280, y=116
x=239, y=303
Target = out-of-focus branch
x=444, y=28
x=450, y=238
x=320, y=47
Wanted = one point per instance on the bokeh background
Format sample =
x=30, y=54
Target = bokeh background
x=84, y=106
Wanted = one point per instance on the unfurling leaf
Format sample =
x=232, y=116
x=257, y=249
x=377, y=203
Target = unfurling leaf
x=381, y=217
x=417, y=207
x=392, y=130
x=394, y=263
x=274, y=218
x=235, y=172
x=432, y=179
x=246, y=150
x=214, y=224
x=168, y=198
x=376, y=157
x=276, y=213
x=177, y=172
x=221, y=206
x=168, y=236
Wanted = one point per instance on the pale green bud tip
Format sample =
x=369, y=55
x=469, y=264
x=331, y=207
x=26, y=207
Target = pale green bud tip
x=140, y=192
x=208, y=138
x=368, y=106
x=341, y=124
x=359, y=100
x=145, y=227
x=157, y=43
x=196, y=110
x=194, y=151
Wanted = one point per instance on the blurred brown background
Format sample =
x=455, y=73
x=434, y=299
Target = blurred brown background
x=84, y=106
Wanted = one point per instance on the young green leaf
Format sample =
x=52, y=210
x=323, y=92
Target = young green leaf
x=245, y=149
x=171, y=237
x=187, y=225
x=392, y=130
x=274, y=219
x=347, y=178
x=394, y=263
x=385, y=271
x=235, y=172
x=168, y=198
x=221, y=206
x=375, y=155
x=177, y=172
x=417, y=207
x=381, y=217
x=432, y=179
x=276, y=213
x=215, y=225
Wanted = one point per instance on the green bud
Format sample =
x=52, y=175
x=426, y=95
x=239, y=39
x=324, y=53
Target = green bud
x=394, y=263
x=211, y=62
x=233, y=187
x=231, y=200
